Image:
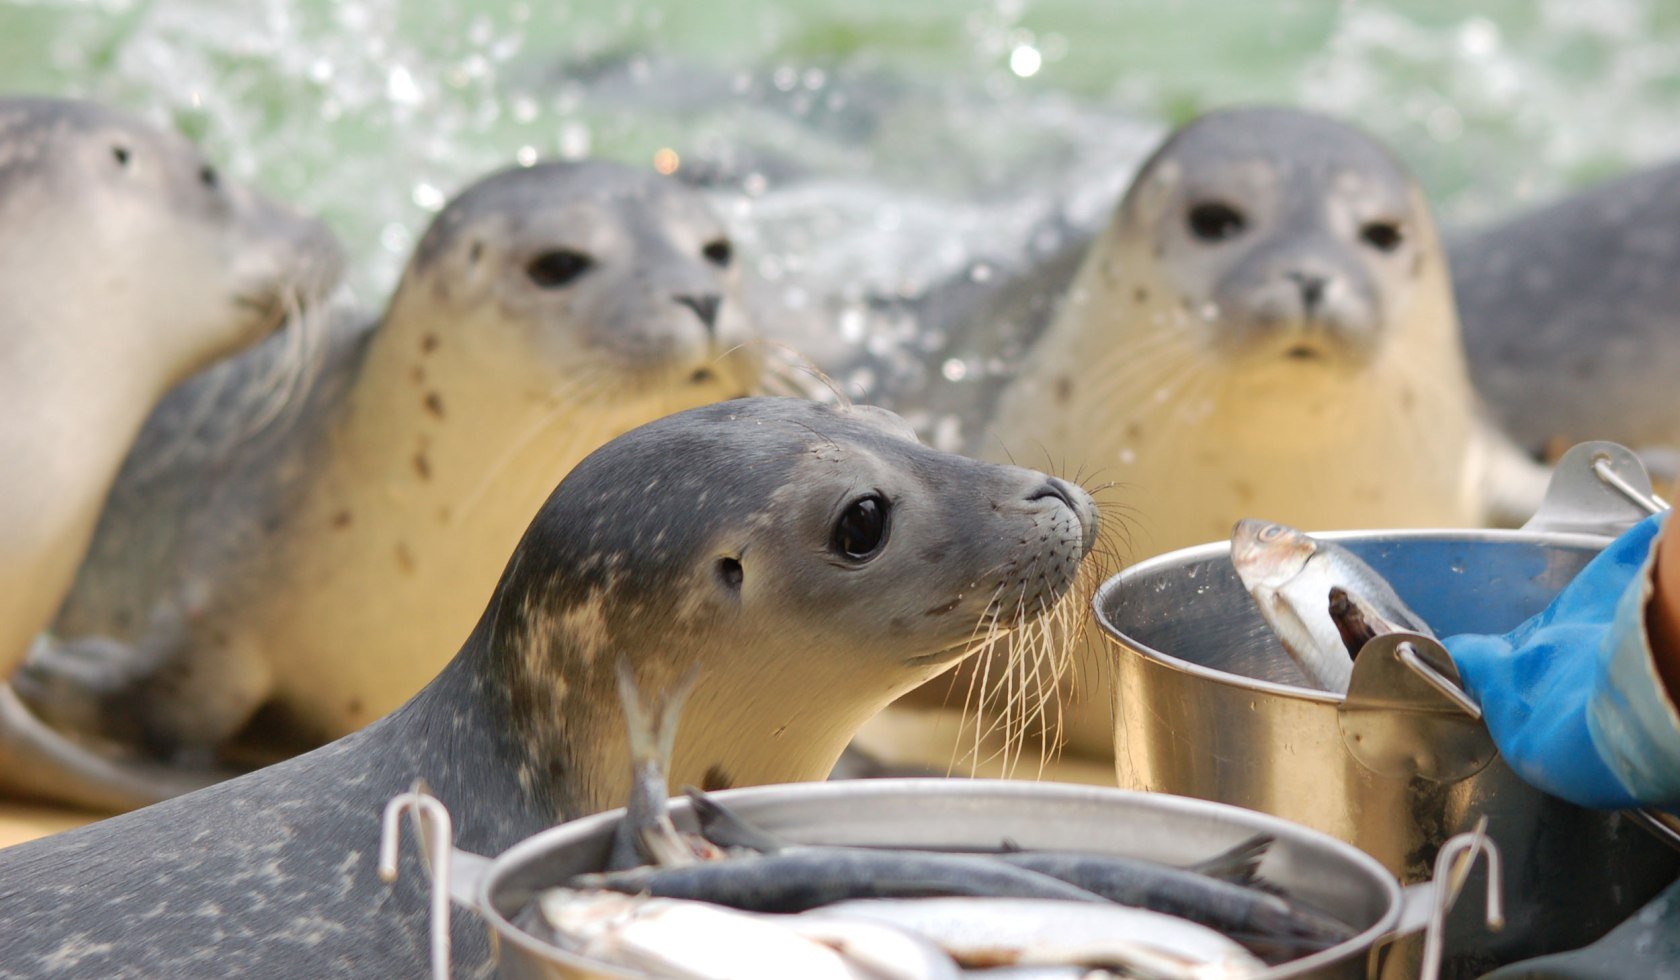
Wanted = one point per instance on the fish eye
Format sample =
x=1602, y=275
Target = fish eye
x=557, y=268
x=1215, y=221
x=861, y=530
x=1384, y=236
x=1271, y=532
x=718, y=252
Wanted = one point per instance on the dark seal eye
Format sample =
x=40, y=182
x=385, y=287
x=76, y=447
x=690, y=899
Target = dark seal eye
x=731, y=573
x=861, y=530
x=1215, y=221
x=1384, y=236
x=120, y=153
x=718, y=252
x=551, y=270
x=208, y=177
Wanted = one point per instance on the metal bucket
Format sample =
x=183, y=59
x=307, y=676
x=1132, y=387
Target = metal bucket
x=943, y=814
x=1207, y=704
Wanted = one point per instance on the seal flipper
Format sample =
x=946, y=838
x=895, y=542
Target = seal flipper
x=39, y=763
x=174, y=694
x=646, y=834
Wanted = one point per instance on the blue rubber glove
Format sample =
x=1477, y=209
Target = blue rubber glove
x=1572, y=697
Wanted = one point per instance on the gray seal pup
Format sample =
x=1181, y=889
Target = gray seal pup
x=129, y=262
x=1265, y=326
x=325, y=566
x=813, y=562
x=1572, y=315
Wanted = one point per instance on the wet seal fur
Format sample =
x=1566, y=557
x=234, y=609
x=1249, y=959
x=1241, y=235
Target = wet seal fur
x=714, y=537
x=1266, y=326
x=128, y=263
x=1572, y=315
x=325, y=566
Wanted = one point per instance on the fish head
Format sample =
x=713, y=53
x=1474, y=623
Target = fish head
x=1267, y=555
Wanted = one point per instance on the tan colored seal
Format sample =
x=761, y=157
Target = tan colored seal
x=331, y=566
x=1264, y=329
x=126, y=263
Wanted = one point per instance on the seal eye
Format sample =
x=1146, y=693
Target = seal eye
x=718, y=252
x=207, y=176
x=551, y=270
x=1384, y=236
x=862, y=529
x=121, y=154
x=730, y=573
x=1215, y=221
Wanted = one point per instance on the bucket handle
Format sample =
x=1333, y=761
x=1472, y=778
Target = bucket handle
x=1424, y=906
x=455, y=874
x=1596, y=488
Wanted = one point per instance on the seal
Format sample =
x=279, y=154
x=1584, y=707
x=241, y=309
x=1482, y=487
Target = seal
x=128, y=263
x=1265, y=327
x=1572, y=315
x=813, y=562
x=328, y=564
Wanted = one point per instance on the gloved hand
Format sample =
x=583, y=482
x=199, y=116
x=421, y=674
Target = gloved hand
x=1571, y=697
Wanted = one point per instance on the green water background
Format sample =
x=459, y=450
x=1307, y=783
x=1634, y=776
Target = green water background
x=373, y=111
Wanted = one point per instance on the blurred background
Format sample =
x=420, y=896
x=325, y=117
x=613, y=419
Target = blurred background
x=859, y=147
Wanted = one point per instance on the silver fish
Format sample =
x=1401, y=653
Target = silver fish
x=1040, y=932
x=687, y=940
x=887, y=952
x=1291, y=576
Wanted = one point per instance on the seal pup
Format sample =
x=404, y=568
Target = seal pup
x=325, y=565
x=129, y=262
x=1572, y=315
x=1265, y=326
x=814, y=563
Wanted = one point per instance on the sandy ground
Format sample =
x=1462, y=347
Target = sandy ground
x=918, y=739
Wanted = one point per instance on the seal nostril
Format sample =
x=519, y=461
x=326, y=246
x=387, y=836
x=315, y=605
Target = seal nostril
x=1055, y=488
x=1311, y=286
x=705, y=307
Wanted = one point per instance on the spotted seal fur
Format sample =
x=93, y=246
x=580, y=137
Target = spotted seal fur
x=814, y=562
x=324, y=566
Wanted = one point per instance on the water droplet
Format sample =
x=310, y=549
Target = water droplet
x=1457, y=567
x=1025, y=61
x=954, y=369
x=980, y=272
x=784, y=78
x=401, y=88
x=527, y=156
x=427, y=196
x=574, y=140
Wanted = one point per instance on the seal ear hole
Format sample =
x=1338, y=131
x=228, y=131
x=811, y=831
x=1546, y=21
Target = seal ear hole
x=120, y=154
x=1384, y=236
x=1215, y=221
x=558, y=267
x=862, y=529
x=718, y=252
x=731, y=573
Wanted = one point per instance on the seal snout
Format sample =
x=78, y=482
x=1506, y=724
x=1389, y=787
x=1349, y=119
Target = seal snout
x=1078, y=502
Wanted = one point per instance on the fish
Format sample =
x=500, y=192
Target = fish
x=801, y=879
x=1290, y=576
x=687, y=940
x=646, y=834
x=1224, y=892
x=1281, y=928
x=983, y=932
x=887, y=952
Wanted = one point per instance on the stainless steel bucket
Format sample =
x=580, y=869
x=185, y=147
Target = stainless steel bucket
x=954, y=814
x=1208, y=705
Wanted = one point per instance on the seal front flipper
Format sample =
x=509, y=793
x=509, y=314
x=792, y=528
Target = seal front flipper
x=176, y=694
x=39, y=763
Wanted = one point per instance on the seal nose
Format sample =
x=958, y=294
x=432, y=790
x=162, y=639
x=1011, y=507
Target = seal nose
x=1075, y=500
x=1311, y=286
x=705, y=306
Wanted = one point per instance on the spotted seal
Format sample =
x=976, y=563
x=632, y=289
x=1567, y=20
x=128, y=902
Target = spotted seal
x=814, y=563
x=327, y=565
x=1265, y=327
x=128, y=263
x=1572, y=315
